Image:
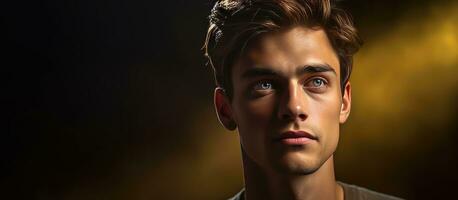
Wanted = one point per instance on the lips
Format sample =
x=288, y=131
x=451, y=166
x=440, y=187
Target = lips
x=295, y=138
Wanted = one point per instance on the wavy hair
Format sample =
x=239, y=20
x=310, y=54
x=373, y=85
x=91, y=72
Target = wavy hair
x=234, y=23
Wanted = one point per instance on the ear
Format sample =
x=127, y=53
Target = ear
x=224, y=110
x=346, y=103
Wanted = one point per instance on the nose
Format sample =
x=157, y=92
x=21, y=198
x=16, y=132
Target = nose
x=292, y=103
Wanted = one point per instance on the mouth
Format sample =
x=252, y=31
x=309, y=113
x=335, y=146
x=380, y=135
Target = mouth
x=295, y=138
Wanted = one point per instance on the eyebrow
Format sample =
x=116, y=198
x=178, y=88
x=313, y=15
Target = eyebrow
x=315, y=68
x=268, y=71
x=256, y=71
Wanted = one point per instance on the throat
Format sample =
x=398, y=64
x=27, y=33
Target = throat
x=268, y=184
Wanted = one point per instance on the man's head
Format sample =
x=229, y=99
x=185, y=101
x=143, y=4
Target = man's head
x=282, y=70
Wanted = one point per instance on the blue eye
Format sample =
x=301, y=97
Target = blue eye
x=263, y=86
x=317, y=82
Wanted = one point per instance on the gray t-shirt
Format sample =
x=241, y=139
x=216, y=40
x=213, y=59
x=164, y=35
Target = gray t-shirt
x=351, y=192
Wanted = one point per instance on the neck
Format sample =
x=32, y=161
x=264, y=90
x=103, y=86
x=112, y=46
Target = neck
x=260, y=184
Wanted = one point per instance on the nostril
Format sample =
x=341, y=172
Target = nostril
x=293, y=116
x=302, y=116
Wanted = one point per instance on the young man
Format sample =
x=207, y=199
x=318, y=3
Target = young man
x=282, y=71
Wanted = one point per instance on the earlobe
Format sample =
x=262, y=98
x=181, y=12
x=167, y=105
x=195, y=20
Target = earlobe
x=346, y=103
x=223, y=109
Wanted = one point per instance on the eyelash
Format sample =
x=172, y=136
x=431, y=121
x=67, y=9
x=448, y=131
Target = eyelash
x=324, y=81
x=257, y=87
x=259, y=83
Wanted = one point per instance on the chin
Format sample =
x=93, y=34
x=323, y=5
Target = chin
x=298, y=164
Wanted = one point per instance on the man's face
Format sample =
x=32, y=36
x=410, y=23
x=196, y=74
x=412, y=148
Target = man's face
x=287, y=85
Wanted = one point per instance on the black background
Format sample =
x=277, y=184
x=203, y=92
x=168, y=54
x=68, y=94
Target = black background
x=87, y=85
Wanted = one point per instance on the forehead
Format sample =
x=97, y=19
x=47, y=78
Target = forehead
x=289, y=49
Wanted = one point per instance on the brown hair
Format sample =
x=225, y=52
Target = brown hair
x=233, y=23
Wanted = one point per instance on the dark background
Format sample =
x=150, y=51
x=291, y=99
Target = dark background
x=112, y=100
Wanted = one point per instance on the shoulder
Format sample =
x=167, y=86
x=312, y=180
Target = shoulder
x=239, y=196
x=353, y=192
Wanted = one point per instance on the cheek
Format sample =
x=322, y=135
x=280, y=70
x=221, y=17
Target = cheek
x=328, y=113
x=254, y=122
x=324, y=117
x=255, y=115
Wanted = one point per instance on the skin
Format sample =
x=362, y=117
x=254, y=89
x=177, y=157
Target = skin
x=287, y=80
